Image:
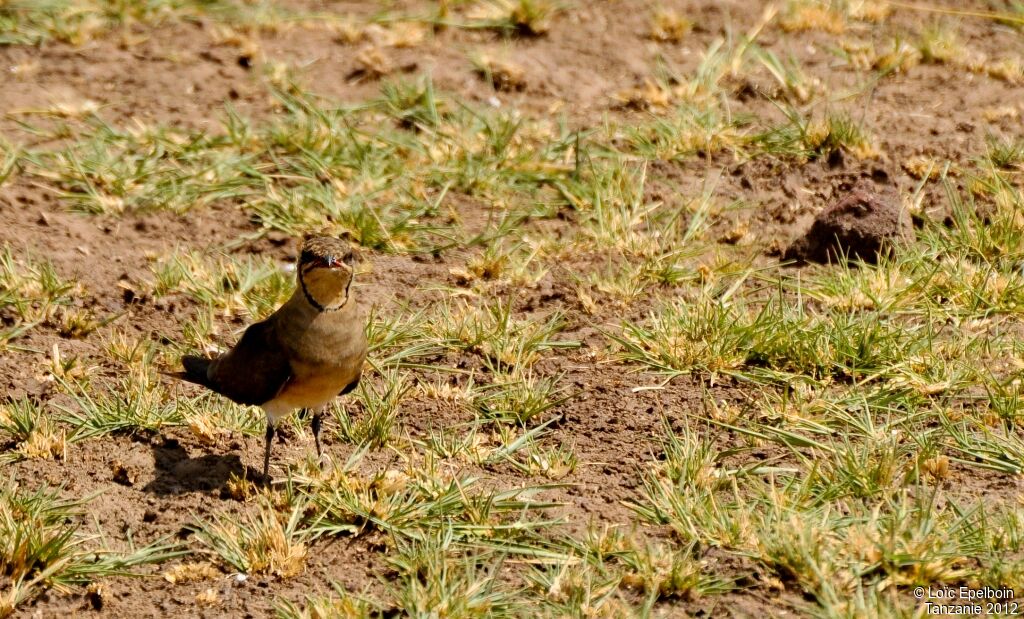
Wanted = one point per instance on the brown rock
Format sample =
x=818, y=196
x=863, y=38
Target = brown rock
x=861, y=226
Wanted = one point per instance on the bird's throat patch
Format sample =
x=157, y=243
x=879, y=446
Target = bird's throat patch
x=326, y=289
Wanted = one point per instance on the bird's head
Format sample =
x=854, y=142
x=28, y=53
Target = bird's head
x=326, y=268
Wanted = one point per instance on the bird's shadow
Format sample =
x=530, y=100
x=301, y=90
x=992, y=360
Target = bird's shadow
x=178, y=473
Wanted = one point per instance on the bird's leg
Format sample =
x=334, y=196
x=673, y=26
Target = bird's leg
x=317, y=423
x=266, y=450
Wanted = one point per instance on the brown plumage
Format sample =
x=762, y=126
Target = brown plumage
x=303, y=355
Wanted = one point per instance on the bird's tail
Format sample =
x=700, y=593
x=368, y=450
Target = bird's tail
x=195, y=370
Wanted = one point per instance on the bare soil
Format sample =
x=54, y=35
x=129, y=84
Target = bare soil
x=179, y=74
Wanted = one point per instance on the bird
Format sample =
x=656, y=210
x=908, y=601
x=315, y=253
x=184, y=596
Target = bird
x=302, y=356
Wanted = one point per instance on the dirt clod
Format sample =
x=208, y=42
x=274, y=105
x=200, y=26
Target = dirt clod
x=122, y=474
x=860, y=226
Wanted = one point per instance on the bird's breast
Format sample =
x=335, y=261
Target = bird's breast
x=327, y=340
x=312, y=386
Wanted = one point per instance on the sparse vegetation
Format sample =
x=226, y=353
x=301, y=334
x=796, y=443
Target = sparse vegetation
x=44, y=548
x=31, y=293
x=593, y=389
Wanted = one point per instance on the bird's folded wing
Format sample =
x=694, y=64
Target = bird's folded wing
x=255, y=370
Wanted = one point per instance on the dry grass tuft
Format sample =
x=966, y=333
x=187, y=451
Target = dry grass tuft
x=502, y=74
x=669, y=26
x=196, y=571
x=874, y=11
x=803, y=16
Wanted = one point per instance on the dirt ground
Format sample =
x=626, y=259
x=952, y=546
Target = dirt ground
x=182, y=74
